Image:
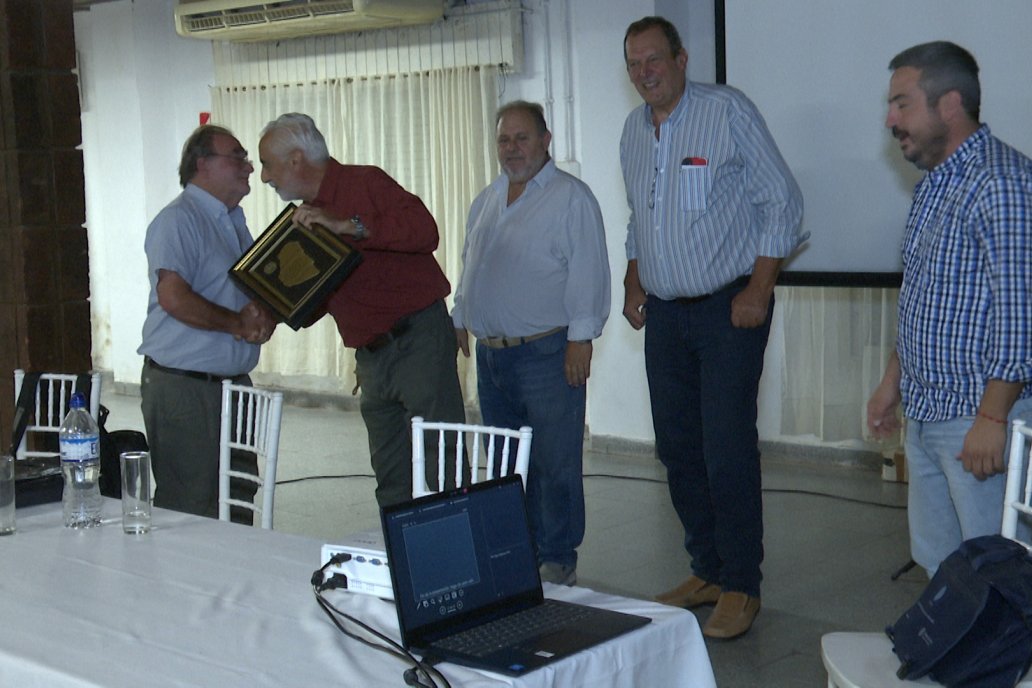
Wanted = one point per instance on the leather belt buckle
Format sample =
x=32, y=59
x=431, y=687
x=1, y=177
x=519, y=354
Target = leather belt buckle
x=382, y=340
x=506, y=342
x=193, y=374
x=690, y=300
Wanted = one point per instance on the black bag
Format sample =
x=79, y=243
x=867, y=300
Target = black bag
x=112, y=444
x=972, y=625
x=38, y=480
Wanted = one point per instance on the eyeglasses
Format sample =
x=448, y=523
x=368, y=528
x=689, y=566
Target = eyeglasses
x=240, y=158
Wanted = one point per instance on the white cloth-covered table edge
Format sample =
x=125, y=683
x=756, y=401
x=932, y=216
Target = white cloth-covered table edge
x=199, y=602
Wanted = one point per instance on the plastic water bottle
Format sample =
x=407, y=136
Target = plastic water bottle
x=80, y=463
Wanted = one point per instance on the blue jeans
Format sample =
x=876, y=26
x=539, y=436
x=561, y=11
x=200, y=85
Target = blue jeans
x=945, y=504
x=526, y=385
x=703, y=377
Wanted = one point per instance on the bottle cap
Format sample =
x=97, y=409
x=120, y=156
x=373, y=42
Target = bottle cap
x=78, y=400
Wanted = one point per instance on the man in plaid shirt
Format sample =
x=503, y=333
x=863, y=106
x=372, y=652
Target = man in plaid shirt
x=963, y=361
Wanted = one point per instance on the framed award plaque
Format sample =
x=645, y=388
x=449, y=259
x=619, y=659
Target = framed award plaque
x=293, y=270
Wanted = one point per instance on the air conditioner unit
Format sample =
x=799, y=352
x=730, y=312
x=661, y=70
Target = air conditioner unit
x=249, y=20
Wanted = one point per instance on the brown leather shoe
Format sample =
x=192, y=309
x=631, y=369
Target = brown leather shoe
x=693, y=592
x=733, y=616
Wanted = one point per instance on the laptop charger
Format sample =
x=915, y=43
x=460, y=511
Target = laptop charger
x=366, y=570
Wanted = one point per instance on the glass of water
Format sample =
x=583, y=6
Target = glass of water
x=7, y=519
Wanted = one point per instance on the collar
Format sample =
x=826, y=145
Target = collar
x=971, y=147
x=215, y=208
x=677, y=115
x=205, y=199
x=546, y=174
x=324, y=196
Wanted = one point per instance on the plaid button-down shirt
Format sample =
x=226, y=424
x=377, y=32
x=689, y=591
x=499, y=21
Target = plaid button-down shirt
x=964, y=311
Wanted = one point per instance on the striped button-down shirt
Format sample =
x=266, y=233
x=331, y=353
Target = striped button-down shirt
x=707, y=197
x=964, y=311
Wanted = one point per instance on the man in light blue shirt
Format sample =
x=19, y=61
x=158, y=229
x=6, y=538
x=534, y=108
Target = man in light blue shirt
x=200, y=328
x=714, y=211
x=534, y=292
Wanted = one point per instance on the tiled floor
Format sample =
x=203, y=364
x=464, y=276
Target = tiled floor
x=833, y=537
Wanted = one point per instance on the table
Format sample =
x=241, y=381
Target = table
x=199, y=602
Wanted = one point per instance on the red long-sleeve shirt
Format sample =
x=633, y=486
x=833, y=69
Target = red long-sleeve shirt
x=398, y=274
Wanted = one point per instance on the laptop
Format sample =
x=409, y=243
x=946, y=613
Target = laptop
x=463, y=566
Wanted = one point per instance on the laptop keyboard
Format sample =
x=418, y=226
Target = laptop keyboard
x=511, y=630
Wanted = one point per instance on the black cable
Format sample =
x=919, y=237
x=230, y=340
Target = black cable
x=903, y=569
x=413, y=677
x=658, y=481
x=392, y=648
x=323, y=478
x=812, y=493
x=838, y=497
x=419, y=668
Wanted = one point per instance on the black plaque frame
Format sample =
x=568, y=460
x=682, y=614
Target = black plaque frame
x=294, y=269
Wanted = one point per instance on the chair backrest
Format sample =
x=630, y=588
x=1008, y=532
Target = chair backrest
x=250, y=422
x=1017, y=496
x=50, y=406
x=489, y=448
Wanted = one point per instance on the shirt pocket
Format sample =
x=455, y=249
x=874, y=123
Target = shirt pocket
x=694, y=183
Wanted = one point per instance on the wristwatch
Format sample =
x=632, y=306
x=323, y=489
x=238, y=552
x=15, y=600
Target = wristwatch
x=360, y=229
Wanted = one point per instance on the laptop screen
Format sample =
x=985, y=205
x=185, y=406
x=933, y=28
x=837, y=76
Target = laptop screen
x=459, y=557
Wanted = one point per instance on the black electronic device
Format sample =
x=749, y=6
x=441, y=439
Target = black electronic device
x=463, y=565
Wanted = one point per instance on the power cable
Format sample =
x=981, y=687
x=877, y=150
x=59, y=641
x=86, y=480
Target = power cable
x=420, y=674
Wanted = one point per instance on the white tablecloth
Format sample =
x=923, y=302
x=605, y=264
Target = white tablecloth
x=197, y=602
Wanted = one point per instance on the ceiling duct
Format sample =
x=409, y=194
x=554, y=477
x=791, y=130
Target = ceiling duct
x=247, y=20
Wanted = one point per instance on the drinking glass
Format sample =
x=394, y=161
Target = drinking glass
x=136, y=492
x=7, y=519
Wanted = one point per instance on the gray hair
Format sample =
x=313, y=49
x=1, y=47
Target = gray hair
x=944, y=67
x=295, y=130
x=535, y=110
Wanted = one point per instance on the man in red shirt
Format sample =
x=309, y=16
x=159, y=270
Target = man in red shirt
x=391, y=308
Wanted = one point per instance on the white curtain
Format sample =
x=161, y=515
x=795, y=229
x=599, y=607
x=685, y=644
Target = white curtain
x=432, y=132
x=837, y=341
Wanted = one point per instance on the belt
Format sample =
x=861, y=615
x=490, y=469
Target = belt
x=382, y=340
x=196, y=375
x=506, y=342
x=689, y=300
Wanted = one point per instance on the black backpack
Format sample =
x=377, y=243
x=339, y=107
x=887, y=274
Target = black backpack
x=112, y=444
x=972, y=625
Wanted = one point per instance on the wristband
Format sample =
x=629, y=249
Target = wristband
x=992, y=418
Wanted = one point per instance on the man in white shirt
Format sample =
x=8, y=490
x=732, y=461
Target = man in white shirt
x=534, y=292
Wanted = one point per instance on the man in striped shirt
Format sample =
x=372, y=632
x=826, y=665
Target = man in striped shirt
x=963, y=361
x=714, y=211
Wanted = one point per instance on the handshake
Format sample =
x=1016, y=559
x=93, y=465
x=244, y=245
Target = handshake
x=256, y=324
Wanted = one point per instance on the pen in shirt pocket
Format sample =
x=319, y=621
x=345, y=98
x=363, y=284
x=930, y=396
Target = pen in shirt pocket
x=692, y=161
